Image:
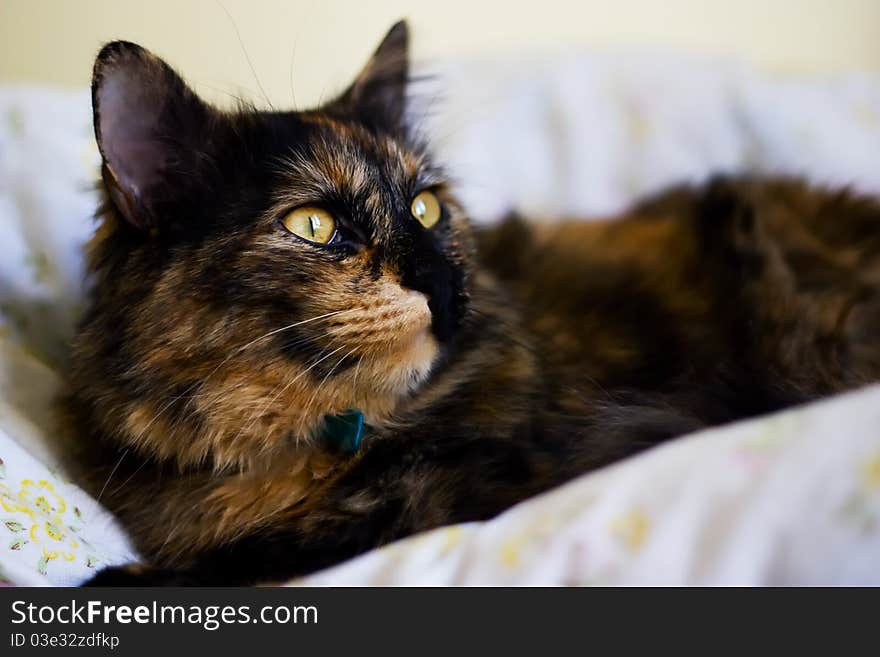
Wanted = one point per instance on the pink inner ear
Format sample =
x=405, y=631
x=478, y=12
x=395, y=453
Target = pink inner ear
x=129, y=131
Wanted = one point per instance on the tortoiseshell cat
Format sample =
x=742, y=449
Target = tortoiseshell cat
x=259, y=277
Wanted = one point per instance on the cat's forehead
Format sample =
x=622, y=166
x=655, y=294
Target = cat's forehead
x=343, y=161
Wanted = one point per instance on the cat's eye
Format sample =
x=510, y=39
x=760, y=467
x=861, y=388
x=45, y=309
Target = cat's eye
x=311, y=223
x=426, y=209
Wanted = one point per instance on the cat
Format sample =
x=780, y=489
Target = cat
x=297, y=348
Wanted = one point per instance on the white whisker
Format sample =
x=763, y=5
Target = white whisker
x=112, y=472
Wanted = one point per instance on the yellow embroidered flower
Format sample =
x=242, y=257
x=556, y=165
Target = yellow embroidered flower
x=39, y=497
x=510, y=553
x=44, y=523
x=532, y=535
x=451, y=538
x=871, y=472
x=866, y=114
x=632, y=528
x=54, y=541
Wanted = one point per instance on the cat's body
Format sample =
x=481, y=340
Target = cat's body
x=488, y=367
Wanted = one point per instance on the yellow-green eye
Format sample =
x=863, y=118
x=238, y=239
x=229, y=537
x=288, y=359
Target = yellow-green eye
x=426, y=208
x=311, y=223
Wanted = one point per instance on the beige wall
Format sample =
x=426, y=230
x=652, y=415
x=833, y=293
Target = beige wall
x=319, y=43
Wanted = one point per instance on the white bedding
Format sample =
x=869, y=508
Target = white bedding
x=793, y=498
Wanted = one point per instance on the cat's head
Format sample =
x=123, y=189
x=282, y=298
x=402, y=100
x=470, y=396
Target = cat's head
x=257, y=270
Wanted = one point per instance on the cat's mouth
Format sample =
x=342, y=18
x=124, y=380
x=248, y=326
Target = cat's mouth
x=389, y=336
x=410, y=348
x=413, y=341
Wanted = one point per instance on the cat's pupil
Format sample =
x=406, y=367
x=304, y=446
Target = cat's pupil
x=314, y=223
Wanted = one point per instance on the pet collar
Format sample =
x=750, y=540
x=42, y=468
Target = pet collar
x=344, y=431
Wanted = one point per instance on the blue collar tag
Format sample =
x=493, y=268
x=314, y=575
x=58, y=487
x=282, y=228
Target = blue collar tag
x=344, y=431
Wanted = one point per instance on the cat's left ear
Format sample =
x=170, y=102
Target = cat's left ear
x=151, y=130
x=378, y=95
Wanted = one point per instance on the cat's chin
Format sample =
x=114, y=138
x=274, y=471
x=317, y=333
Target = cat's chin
x=413, y=358
x=418, y=341
x=403, y=368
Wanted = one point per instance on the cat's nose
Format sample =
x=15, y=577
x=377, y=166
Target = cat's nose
x=429, y=272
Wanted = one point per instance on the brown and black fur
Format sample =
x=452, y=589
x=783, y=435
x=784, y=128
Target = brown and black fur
x=489, y=365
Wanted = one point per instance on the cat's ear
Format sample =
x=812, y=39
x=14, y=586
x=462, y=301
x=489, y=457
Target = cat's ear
x=149, y=126
x=378, y=94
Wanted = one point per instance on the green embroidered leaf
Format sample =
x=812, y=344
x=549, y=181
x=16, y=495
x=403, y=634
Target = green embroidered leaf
x=42, y=564
x=13, y=525
x=17, y=543
x=40, y=265
x=15, y=121
x=53, y=531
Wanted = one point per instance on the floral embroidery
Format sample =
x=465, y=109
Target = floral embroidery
x=510, y=553
x=632, y=528
x=871, y=473
x=15, y=121
x=866, y=114
x=860, y=508
x=40, y=265
x=452, y=537
x=41, y=517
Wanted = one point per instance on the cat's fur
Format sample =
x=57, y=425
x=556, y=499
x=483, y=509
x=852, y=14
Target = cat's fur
x=489, y=366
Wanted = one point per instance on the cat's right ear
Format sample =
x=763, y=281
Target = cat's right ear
x=378, y=94
x=149, y=127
